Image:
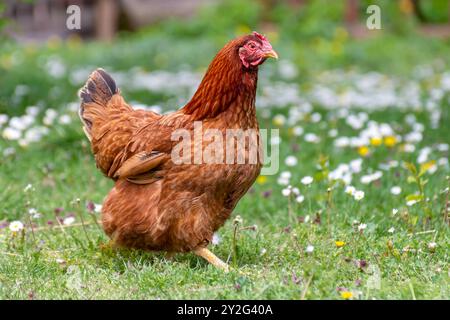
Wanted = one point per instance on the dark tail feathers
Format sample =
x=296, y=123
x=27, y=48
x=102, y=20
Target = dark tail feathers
x=99, y=88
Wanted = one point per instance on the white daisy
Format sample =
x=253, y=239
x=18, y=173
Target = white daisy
x=312, y=137
x=358, y=195
x=215, y=239
x=275, y=140
x=97, y=208
x=285, y=175
x=286, y=191
x=68, y=221
x=65, y=119
x=333, y=133
x=28, y=187
x=16, y=226
x=298, y=131
x=291, y=161
x=307, y=180
x=350, y=190
x=396, y=190
x=11, y=134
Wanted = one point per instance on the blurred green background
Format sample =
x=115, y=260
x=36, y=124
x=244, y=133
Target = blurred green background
x=315, y=35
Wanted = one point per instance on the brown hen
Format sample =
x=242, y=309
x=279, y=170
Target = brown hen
x=161, y=203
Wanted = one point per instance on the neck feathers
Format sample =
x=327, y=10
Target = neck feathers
x=224, y=85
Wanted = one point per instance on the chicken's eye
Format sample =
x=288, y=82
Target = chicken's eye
x=251, y=45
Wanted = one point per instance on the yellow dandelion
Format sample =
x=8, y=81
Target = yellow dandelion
x=54, y=42
x=30, y=49
x=390, y=141
x=340, y=244
x=363, y=151
x=291, y=131
x=406, y=6
x=242, y=29
x=6, y=61
x=74, y=40
x=279, y=120
x=346, y=295
x=376, y=141
x=273, y=36
x=427, y=165
x=261, y=179
x=336, y=48
x=340, y=33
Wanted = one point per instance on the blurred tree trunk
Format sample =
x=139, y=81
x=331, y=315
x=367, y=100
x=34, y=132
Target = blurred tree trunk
x=418, y=11
x=106, y=19
x=41, y=15
x=351, y=12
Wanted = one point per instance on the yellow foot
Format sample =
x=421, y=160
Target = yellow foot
x=212, y=258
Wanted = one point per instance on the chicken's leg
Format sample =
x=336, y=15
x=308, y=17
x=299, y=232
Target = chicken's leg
x=212, y=258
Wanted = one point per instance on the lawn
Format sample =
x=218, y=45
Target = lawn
x=370, y=129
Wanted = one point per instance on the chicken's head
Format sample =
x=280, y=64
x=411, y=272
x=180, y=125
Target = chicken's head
x=255, y=50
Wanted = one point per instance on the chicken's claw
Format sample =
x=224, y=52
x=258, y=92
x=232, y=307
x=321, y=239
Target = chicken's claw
x=212, y=258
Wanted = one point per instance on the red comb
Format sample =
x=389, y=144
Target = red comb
x=260, y=36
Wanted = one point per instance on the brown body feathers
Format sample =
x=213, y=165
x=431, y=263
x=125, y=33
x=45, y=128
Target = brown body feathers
x=155, y=203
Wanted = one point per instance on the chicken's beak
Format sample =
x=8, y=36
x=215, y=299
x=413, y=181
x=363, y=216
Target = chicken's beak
x=271, y=54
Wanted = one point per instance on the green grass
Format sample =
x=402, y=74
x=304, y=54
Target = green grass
x=62, y=170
